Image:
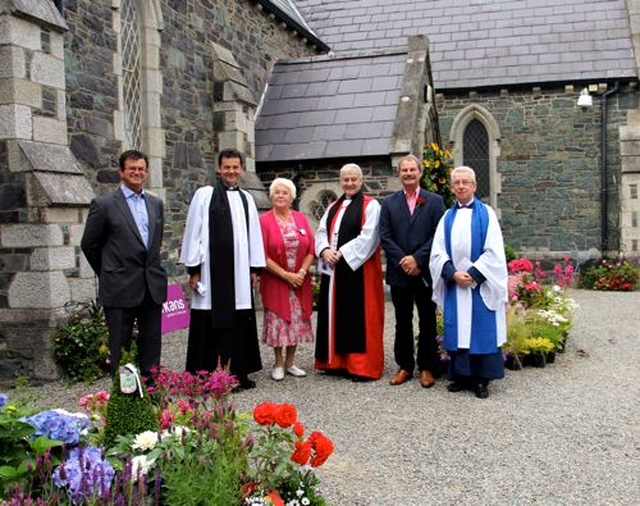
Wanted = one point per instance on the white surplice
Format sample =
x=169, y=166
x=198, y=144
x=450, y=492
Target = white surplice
x=355, y=252
x=491, y=264
x=248, y=249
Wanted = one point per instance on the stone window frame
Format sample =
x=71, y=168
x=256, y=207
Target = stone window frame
x=311, y=196
x=152, y=133
x=456, y=136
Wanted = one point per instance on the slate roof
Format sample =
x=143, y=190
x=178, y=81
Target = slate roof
x=287, y=11
x=330, y=106
x=480, y=43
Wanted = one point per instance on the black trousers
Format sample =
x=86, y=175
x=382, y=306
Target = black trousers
x=120, y=321
x=404, y=298
x=236, y=347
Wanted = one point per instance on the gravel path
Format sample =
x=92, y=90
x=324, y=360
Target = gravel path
x=565, y=434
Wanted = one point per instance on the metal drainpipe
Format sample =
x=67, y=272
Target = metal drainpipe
x=604, y=174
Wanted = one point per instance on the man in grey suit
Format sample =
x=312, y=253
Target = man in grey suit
x=408, y=222
x=121, y=241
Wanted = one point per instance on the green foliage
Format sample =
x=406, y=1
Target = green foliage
x=619, y=275
x=437, y=168
x=80, y=344
x=510, y=253
x=204, y=470
x=18, y=451
x=128, y=413
x=302, y=483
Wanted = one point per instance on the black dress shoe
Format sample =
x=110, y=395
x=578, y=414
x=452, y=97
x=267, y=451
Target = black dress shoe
x=456, y=386
x=245, y=384
x=481, y=390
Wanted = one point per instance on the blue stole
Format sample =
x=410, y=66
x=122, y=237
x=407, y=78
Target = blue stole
x=483, y=324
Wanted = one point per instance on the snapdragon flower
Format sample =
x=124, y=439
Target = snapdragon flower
x=85, y=474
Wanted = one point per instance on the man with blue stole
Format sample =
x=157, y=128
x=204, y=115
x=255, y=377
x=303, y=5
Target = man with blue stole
x=469, y=272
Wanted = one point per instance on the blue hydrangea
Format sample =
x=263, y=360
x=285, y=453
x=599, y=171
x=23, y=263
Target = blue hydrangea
x=85, y=474
x=58, y=425
x=4, y=398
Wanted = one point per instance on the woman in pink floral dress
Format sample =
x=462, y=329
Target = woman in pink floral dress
x=285, y=285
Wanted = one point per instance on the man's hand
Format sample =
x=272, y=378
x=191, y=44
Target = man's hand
x=410, y=266
x=193, y=280
x=463, y=279
x=331, y=256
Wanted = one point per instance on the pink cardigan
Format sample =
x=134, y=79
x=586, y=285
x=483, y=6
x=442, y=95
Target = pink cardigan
x=273, y=289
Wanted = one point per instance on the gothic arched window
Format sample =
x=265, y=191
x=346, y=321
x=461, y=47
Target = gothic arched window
x=131, y=88
x=475, y=136
x=475, y=154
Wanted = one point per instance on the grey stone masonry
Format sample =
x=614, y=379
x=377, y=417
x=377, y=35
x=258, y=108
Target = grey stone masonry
x=43, y=189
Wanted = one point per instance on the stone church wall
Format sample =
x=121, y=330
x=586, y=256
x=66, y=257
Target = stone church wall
x=550, y=168
x=256, y=41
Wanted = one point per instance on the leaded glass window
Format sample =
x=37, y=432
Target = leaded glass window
x=131, y=87
x=320, y=206
x=476, y=156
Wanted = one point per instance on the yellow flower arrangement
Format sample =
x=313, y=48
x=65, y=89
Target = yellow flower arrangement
x=438, y=165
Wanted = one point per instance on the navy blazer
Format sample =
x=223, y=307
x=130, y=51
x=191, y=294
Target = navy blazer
x=116, y=252
x=402, y=233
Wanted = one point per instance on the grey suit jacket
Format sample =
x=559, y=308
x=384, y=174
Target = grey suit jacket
x=116, y=252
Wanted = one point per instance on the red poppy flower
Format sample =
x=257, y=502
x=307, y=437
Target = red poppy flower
x=286, y=415
x=298, y=429
x=302, y=453
x=265, y=413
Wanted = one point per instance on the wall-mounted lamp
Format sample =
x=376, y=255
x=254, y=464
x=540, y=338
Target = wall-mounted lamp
x=585, y=100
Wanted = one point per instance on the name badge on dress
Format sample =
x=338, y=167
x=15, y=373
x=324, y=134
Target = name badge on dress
x=302, y=231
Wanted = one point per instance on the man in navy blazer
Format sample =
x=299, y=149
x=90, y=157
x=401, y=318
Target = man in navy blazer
x=408, y=222
x=121, y=240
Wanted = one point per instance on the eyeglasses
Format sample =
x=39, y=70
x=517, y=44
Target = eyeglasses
x=463, y=183
x=135, y=169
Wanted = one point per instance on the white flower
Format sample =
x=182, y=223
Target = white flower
x=299, y=492
x=305, y=501
x=139, y=467
x=175, y=431
x=145, y=440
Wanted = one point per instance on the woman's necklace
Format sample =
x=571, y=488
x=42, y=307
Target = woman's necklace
x=283, y=219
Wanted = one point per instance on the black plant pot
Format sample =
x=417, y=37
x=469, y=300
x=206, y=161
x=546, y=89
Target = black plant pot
x=514, y=362
x=551, y=357
x=537, y=359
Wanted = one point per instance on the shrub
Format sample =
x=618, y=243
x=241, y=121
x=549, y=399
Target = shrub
x=620, y=275
x=80, y=344
x=128, y=413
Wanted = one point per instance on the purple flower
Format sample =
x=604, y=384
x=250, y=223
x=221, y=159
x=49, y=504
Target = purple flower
x=4, y=398
x=85, y=474
x=58, y=425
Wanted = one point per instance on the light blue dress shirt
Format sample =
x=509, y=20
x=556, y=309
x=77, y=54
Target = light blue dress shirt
x=138, y=205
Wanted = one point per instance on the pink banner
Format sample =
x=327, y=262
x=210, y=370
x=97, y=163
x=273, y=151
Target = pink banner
x=175, y=312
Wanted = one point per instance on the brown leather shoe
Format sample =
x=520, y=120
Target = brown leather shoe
x=426, y=379
x=400, y=377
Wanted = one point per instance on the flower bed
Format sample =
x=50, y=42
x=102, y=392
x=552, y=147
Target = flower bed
x=612, y=275
x=205, y=452
x=539, y=313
